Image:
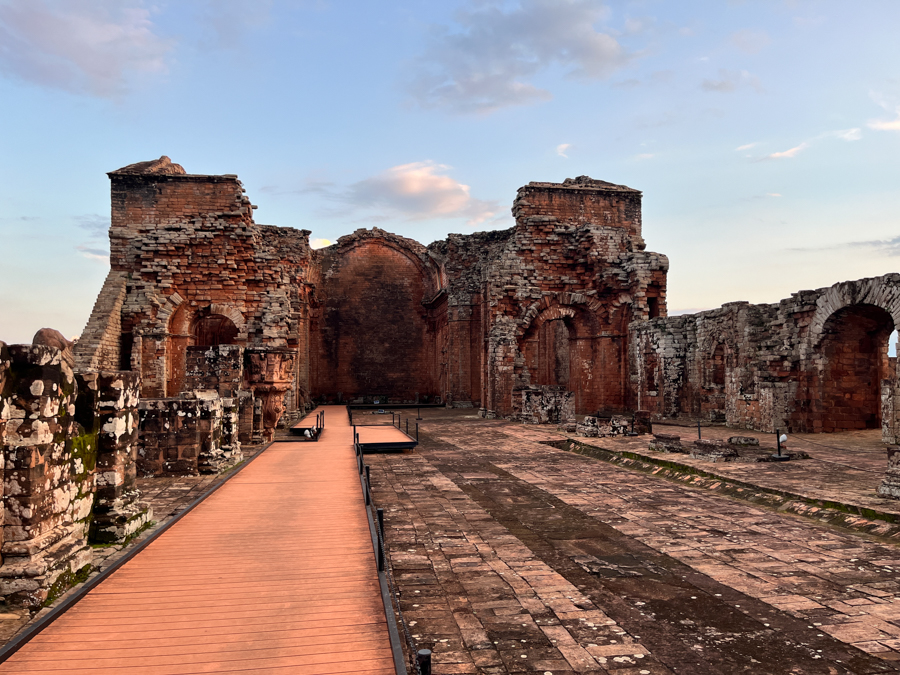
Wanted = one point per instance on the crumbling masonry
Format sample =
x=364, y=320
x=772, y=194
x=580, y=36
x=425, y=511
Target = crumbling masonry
x=211, y=330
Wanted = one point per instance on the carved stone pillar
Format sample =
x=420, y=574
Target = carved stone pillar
x=271, y=374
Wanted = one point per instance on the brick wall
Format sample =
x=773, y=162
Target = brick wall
x=374, y=335
x=816, y=361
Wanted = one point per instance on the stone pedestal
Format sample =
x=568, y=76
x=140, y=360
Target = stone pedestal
x=271, y=375
x=48, y=481
x=890, y=484
x=113, y=397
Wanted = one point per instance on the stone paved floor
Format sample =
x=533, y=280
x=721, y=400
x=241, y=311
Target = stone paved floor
x=513, y=556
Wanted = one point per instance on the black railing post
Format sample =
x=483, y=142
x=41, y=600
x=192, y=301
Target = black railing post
x=417, y=432
x=418, y=413
x=368, y=487
x=381, y=544
x=699, y=435
x=407, y=426
x=423, y=658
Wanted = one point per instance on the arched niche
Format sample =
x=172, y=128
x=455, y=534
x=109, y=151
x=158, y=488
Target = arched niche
x=853, y=354
x=212, y=330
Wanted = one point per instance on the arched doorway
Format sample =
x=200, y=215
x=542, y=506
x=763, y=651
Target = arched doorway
x=855, y=359
x=213, y=330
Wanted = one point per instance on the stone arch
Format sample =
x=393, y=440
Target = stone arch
x=852, y=355
x=576, y=340
x=882, y=292
x=375, y=333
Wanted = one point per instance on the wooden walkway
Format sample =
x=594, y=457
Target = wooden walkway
x=273, y=573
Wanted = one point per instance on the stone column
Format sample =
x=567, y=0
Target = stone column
x=271, y=373
x=890, y=484
x=113, y=398
x=48, y=481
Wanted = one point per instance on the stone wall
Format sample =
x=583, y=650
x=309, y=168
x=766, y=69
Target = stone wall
x=100, y=344
x=816, y=361
x=108, y=405
x=189, y=435
x=219, y=369
x=374, y=335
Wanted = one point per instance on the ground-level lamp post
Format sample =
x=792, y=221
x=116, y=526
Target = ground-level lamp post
x=779, y=439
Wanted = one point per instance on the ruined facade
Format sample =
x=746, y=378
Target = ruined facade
x=484, y=320
x=815, y=362
x=200, y=297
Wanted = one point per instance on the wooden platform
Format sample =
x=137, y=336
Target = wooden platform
x=273, y=573
x=384, y=438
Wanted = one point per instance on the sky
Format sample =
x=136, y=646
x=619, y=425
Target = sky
x=764, y=134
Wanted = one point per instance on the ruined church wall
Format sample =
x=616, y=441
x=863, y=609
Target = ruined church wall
x=374, y=335
x=191, y=249
x=794, y=365
x=576, y=262
x=466, y=262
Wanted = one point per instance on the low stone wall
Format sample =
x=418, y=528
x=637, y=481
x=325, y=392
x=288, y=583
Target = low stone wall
x=543, y=404
x=48, y=461
x=113, y=398
x=184, y=436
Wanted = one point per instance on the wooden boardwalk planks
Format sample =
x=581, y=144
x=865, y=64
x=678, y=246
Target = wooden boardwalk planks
x=273, y=573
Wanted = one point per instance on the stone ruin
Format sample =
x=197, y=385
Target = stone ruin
x=211, y=330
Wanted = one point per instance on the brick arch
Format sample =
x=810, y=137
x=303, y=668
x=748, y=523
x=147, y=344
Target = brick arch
x=230, y=312
x=882, y=292
x=374, y=332
x=556, y=305
x=576, y=340
x=417, y=254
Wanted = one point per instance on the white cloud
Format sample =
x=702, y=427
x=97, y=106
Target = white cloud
x=884, y=125
x=487, y=61
x=846, y=134
x=750, y=41
x=787, y=154
x=561, y=149
x=853, y=134
x=419, y=190
x=745, y=147
x=83, y=46
x=731, y=80
x=772, y=194
x=645, y=155
x=318, y=242
x=890, y=125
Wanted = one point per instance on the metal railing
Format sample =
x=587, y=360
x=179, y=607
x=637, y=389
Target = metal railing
x=419, y=659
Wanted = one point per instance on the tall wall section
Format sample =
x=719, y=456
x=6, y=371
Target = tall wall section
x=374, y=333
x=200, y=270
x=567, y=281
x=817, y=361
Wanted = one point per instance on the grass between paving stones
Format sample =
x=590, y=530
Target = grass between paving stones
x=838, y=514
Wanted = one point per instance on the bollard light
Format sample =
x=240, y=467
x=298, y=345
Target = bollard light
x=779, y=439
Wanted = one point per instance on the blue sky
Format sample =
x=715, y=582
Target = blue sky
x=764, y=134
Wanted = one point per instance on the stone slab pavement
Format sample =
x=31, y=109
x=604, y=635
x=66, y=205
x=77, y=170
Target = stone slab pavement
x=514, y=556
